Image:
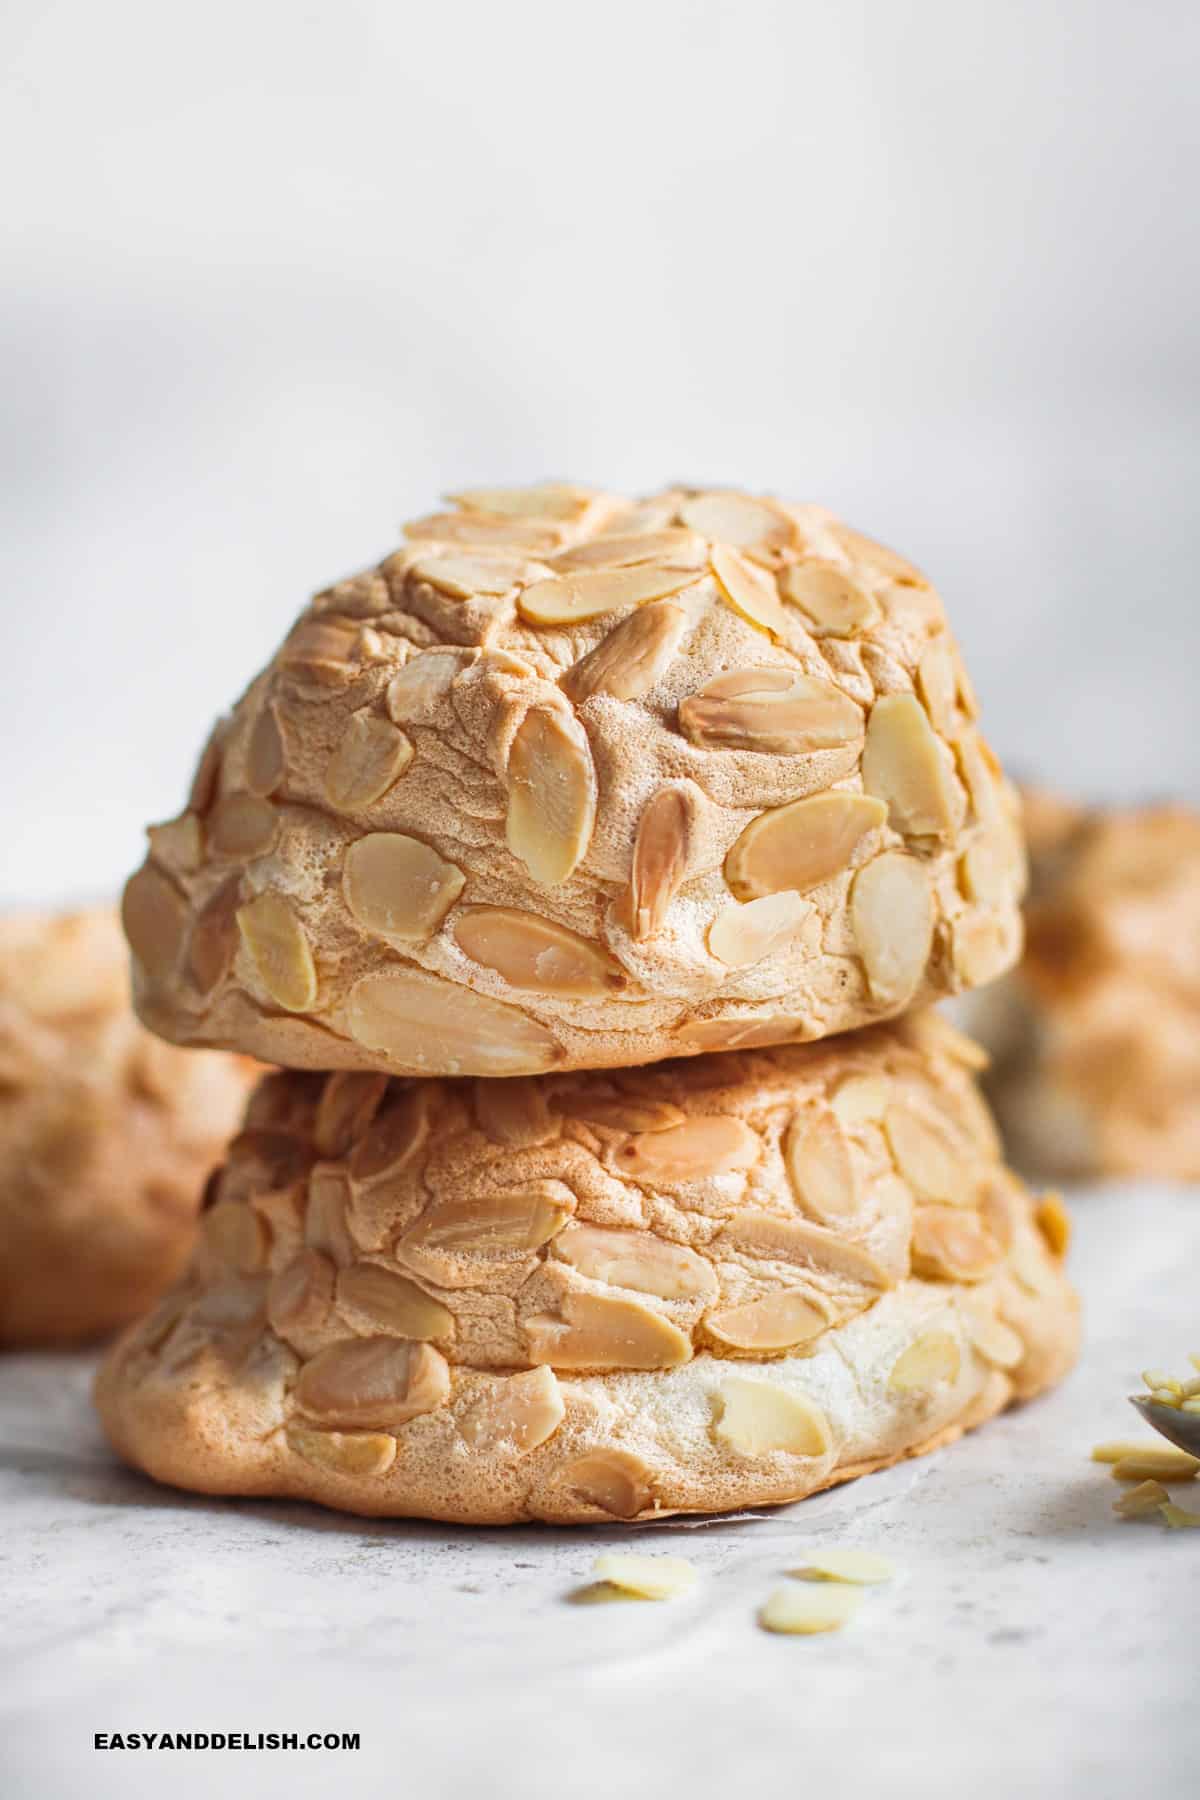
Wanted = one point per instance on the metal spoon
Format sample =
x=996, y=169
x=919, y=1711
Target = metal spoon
x=1182, y=1429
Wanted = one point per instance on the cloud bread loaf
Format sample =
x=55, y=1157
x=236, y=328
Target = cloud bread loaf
x=574, y=782
x=106, y=1134
x=716, y=1282
x=1097, y=1034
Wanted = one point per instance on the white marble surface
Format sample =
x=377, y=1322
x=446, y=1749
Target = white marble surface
x=1032, y=1646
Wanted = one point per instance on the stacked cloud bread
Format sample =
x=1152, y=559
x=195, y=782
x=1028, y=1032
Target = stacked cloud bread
x=568, y=790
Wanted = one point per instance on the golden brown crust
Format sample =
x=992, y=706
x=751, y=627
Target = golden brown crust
x=1097, y=1034
x=707, y=1284
x=106, y=1134
x=571, y=783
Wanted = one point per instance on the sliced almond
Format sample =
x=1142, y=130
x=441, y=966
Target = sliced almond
x=300, y=1297
x=697, y=1150
x=625, y=1112
x=776, y=1239
x=876, y=558
x=571, y=599
x=861, y=1568
x=740, y=1033
x=934, y=1357
x=540, y=500
x=154, y=916
x=1141, y=1501
x=535, y=954
x=1054, y=1222
x=777, y=1321
x=278, y=947
x=354, y=1453
x=800, y=845
x=463, y=577
x=661, y=853
x=834, y=603
x=892, y=910
x=515, y=1413
x=551, y=795
x=398, y=886
x=390, y=1303
x=905, y=764
x=820, y=1166
x=533, y=535
x=371, y=755
x=638, y=1260
x=378, y=1381
x=989, y=872
x=266, y=760
x=649, y=1577
x=214, y=940
x=178, y=842
x=634, y=655
x=349, y=1101
x=616, y=1481
x=937, y=684
x=805, y=1609
x=928, y=1158
x=242, y=826
x=949, y=1245
x=745, y=934
x=981, y=948
x=397, y=1136
x=995, y=1341
x=679, y=549
x=740, y=520
x=757, y=1419
x=325, y=1216
x=601, y=1331
x=983, y=777
x=516, y=1112
x=414, y=694
x=750, y=591
x=237, y=1236
x=861, y=1099
x=771, y=709
x=521, y=1219
x=438, y=1028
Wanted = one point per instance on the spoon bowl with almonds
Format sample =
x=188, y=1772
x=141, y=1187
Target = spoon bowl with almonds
x=1172, y=1407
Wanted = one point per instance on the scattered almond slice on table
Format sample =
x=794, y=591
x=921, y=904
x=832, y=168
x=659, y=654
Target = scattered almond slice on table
x=860, y=1568
x=802, y=1609
x=1141, y=1501
x=1177, y=1517
x=645, y=1577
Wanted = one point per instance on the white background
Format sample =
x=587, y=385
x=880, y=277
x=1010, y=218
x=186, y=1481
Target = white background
x=276, y=275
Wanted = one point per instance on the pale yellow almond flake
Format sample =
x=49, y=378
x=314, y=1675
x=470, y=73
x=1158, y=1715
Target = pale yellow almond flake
x=750, y=591
x=803, y=1609
x=573, y=599
x=278, y=947
x=649, y=1577
x=861, y=1568
x=756, y=1418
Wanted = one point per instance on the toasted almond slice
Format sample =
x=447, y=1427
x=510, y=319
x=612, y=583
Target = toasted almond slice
x=535, y=954
x=1141, y=1501
x=464, y=577
x=397, y=1136
x=929, y=1160
x=803, y=1609
x=371, y=755
x=242, y=826
x=625, y=1112
x=616, y=1481
x=1158, y=1462
x=349, y=1101
x=772, y=709
x=516, y=1112
x=776, y=1239
x=237, y=1236
x=905, y=764
x=860, y=1099
x=981, y=948
x=515, y=1413
x=154, y=916
x=749, y=590
x=937, y=684
x=436, y=1027
x=540, y=500
x=679, y=549
x=740, y=1033
x=379, y=1381
x=744, y=934
x=777, y=1321
x=488, y=531
x=700, y=1148
x=521, y=1219
x=990, y=869
x=951, y=1245
x=875, y=558
x=820, y=1166
x=995, y=1341
x=399, y=887
x=266, y=760
x=551, y=795
x=414, y=693
x=800, y=845
x=739, y=519
x=628, y=662
x=300, y=1297
x=933, y=1358
x=756, y=1418
x=570, y=599
x=355, y=1453
x=603, y=1331
x=861, y=1568
x=933, y=1031
x=278, y=947
x=179, y=843
x=636, y=1259
x=892, y=910
x=834, y=603
x=661, y=853
x=391, y=1303
x=649, y=1577
x=1054, y=1222
x=214, y=940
